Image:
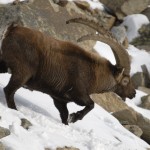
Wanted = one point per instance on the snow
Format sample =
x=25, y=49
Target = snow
x=133, y=23
x=99, y=130
x=95, y=4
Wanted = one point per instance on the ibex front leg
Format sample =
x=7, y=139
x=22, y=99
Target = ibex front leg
x=89, y=105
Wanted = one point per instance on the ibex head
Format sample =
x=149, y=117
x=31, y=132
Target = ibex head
x=124, y=87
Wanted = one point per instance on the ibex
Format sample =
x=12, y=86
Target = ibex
x=65, y=71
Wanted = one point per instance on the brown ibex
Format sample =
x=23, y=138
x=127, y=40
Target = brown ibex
x=62, y=69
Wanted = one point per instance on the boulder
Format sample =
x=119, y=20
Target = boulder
x=143, y=41
x=136, y=130
x=123, y=8
x=107, y=99
x=135, y=118
x=49, y=18
x=134, y=7
x=126, y=115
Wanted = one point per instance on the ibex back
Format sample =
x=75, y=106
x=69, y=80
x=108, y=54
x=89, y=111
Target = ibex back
x=59, y=68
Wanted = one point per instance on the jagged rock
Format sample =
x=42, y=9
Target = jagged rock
x=143, y=41
x=123, y=8
x=134, y=129
x=25, y=123
x=107, y=99
x=2, y=146
x=67, y=148
x=145, y=102
x=4, y=132
x=49, y=18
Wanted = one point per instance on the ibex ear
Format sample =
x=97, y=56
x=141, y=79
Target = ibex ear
x=125, y=81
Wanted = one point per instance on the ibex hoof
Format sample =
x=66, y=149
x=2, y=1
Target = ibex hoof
x=74, y=117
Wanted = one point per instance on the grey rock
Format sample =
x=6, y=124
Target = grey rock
x=135, y=118
x=143, y=41
x=4, y=132
x=25, y=123
x=136, y=130
x=145, y=102
x=123, y=8
x=47, y=17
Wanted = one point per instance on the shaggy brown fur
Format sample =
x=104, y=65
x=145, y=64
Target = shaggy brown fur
x=61, y=69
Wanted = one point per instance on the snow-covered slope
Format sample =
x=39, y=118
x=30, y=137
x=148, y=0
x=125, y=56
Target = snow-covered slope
x=97, y=131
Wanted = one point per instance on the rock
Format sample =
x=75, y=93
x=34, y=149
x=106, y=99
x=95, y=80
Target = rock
x=83, y=5
x=119, y=33
x=49, y=18
x=67, y=148
x=144, y=89
x=145, y=102
x=134, y=7
x=135, y=118
x=106, y=20
x=25, y=123
x=107, y=99
x=123, y=8
x=146, y=12
x=4, y=132
x=127, y=115
x=2, y=146
x=134, y=129
x=139, y=79
x=62, y=3
x=143, y=41
x=144, y=124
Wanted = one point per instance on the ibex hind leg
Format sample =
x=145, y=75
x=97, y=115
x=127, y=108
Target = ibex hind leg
x=17, y=80
x=84, y=101
x=62, y=108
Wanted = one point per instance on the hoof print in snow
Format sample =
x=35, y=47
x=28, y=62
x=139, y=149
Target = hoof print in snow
x=25, y=123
